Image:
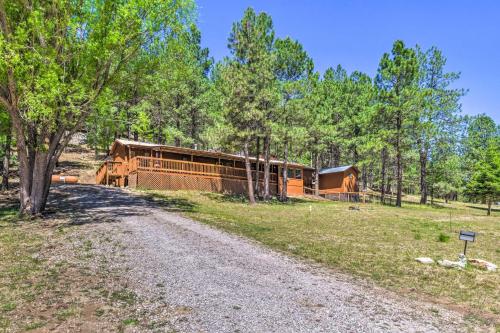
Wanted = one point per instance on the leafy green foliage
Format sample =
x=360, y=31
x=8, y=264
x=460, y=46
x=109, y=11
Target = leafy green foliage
x=136, y=69
x=485, y=182
x=57, y=59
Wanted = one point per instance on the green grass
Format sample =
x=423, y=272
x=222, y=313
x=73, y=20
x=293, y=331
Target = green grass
x=444, y=238
x=377, y=242
x=130, y=322
x=64, y=314
x=123, y=296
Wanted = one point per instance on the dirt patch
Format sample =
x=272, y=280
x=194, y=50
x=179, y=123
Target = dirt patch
x=52, y=279
x=79, y=161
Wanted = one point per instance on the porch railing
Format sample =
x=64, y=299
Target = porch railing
x=109, y=169
x=193, y=168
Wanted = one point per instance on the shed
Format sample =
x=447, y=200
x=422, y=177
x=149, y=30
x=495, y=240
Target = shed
x=341, y=179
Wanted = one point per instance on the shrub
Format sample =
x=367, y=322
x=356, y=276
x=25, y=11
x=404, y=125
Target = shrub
x=443, y=238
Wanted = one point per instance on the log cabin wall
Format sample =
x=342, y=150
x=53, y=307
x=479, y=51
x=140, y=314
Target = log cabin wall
x=339, y=182
x=295, y=181
x=332, y=182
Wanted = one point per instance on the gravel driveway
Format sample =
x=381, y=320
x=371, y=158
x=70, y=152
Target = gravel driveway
x=211, y=281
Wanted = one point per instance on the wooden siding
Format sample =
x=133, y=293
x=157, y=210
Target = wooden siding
x=174, y=168
x=339, y=182
x=294, y=186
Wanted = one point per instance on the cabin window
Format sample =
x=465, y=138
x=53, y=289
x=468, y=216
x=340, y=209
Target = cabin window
x=298, y=174
x=290, y=173
x=351, y=176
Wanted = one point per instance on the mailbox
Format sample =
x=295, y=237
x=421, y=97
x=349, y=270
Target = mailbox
x=468, y=236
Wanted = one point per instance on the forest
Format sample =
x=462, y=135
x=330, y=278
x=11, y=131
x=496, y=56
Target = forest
x=136, y=69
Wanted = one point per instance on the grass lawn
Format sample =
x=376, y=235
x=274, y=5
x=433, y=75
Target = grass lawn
x=377, y=242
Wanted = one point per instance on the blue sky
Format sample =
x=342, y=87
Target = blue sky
x=356, y=33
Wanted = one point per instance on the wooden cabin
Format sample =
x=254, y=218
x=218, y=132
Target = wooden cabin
x=336, y=180
x=162, y=167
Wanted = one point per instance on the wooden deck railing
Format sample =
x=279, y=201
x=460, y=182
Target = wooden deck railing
x=193, y=168
x=109, y=169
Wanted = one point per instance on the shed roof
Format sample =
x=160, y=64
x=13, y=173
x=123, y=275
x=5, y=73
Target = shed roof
x=337, y=169
x=197, y=152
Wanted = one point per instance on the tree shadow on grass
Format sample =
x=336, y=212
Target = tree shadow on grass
x=171, y=204
x=484, y=209
x=89, y=204
x=239, y=198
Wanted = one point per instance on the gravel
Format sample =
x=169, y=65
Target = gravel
x=207, y=280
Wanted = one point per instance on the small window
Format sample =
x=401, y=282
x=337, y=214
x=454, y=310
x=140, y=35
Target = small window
x=351, y=176
x=289, y=173
x=298, y=173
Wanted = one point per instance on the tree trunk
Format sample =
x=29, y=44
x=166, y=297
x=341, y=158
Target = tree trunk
x=284, y=186
x=383, y=158
x=177, y=140
x=489, y=206
x=128, y=123
x=257, y=166
x=334, y=156
x=248, y=167
x=399, y=165
x=267, y=157
x=364, y=177
x=316, y=174
x=423, y=176
x=96, y=152
x=194, y=126
x=432, y=195
x=6, y=159
x=34, y=191
x=37, y=162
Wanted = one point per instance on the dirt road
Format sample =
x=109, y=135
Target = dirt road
x=192, y=278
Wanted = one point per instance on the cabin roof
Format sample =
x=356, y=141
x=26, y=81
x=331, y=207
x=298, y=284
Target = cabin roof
x=197, y=152
x=336, y=169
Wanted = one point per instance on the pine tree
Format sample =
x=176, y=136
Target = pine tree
x=249, y=82
x=438, y=120
x=293, y=69
x=485, y=182
x=397, y=83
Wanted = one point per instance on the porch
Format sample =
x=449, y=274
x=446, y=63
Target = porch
x=160, y=173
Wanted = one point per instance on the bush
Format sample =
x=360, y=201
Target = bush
x=443, y=238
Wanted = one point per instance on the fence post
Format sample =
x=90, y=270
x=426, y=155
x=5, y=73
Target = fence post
x=107, y=173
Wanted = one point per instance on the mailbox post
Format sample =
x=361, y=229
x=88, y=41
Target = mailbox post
x=467, y=236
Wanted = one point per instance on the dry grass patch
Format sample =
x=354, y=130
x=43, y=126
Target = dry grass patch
x=48, y=279
x=376, y=242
